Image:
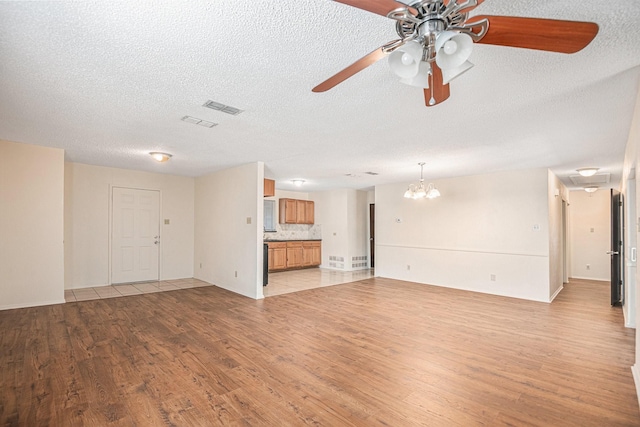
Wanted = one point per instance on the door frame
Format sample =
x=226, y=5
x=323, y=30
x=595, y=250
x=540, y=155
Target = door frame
x=372, y=234
x=110, y=231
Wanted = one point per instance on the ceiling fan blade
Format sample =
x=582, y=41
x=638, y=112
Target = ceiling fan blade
x=381, y=7
x=352, y=69
x=536, y=33
x=437, y=91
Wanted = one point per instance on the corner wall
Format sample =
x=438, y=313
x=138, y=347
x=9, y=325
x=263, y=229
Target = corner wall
x=228, y=249
x=31, y=225
x=483, y=227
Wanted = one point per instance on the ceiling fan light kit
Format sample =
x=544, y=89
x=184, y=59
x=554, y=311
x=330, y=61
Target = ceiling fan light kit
x=437, y=37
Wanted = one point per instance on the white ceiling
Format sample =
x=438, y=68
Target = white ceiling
x=109, y=81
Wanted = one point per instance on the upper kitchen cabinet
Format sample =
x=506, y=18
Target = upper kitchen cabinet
x=294, y=211
x=269, y=187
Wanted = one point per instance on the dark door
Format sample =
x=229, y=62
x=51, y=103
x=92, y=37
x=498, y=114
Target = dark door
x=372, y=232
x=617, y=295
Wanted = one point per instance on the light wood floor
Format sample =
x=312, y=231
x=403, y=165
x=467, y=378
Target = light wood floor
x=369, y=353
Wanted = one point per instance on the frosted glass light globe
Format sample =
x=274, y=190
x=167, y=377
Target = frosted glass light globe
x=407, y=59
x=450, y=47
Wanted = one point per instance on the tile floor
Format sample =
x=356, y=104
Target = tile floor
x=284, y=282
x=114, y=291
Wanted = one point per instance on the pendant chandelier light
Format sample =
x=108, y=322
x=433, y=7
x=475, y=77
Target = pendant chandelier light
x=419, y=191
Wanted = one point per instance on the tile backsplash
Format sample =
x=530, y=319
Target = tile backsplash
x=295, y=232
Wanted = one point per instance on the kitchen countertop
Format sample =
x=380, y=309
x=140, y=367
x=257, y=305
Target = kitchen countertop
x=292, y=240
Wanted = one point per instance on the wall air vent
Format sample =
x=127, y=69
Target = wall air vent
x=221, y=107
x=601, y=178
x=197, y=121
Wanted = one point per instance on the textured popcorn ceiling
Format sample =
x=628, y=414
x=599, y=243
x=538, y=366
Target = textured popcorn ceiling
x=109, y=81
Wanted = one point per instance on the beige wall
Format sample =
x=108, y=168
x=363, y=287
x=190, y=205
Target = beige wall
x=225, y=243
x=88, y=221
x=590, y=235
x=494, y=224
x=31, y=225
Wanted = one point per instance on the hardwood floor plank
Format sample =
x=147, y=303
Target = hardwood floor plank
x=377, y=352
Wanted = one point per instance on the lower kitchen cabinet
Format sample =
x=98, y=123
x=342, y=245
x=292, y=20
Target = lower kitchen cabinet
x=294, y=254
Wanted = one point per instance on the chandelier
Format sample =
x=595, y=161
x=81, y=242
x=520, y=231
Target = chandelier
x=419, y=191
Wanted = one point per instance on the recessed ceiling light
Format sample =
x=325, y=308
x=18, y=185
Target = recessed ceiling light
x=197, y=121
x=298, y=182
x=160, y=157
x=221, y=107
x=587, y=171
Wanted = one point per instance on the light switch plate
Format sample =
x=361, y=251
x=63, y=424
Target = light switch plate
x=248, y=220
x=167, y=222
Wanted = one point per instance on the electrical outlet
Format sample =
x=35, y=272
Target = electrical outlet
x=493, y=277
x=408, y=267
x=588, y=266
x=236, y=273
x=200, y=265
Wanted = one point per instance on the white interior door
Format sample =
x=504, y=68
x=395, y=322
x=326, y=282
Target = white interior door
x=135, y=234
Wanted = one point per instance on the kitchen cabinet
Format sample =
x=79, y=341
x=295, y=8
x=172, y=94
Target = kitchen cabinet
x=277, y=255
x=288, y=213
x=293, y=211
x=311, y=255
x=269, y=187
x=294, y=254
x=309, y=217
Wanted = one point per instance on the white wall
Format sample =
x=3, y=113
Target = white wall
x=331, y=214
x=590, y=235
x=87, y=221
x=495, y=224
x=629, y=172
x=556, y=193
x=343, y=217
x=225, y=243
x=31, y=225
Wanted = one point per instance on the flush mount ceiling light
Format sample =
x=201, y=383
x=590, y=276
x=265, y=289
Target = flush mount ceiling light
x=221, y=107
x=298, y=182
x=160, y=157
x=591, y=189
x=419, y=191
x=587, y=171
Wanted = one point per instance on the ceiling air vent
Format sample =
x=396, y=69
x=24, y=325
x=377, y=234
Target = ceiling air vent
x=197, y=121
x=602, y=178
x=372, y=173
x=221, y=107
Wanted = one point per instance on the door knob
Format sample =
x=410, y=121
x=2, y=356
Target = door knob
x=156, y=242
x=613, y=253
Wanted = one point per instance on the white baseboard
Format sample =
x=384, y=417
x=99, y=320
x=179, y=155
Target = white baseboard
x=31, y=304
x=635, y=370
x=556, y=293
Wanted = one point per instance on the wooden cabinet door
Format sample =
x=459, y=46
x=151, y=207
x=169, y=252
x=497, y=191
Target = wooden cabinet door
x=288, y=211
x=309, y=217
x=301, y=206
x=307, y=255
x=270, y=261
x=316, y=255
x=269, y=187
x=279, y=259
x=294, y=254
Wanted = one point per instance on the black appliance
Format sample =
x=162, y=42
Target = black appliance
x=265, y=264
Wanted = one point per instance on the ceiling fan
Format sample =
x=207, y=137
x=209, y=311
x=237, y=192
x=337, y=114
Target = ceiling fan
x=436, y=38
